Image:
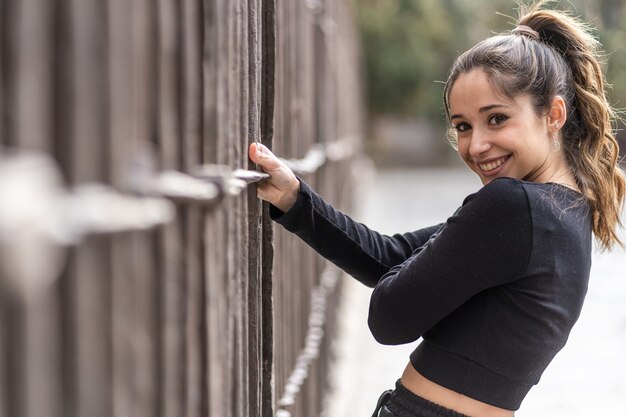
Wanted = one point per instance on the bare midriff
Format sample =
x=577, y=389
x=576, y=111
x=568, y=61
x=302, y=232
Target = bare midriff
x=419, y=385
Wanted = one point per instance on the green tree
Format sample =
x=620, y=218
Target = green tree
x=409, y=46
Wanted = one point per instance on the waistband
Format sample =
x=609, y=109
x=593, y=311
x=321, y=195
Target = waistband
x=405, y=403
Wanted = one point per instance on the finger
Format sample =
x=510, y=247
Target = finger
x=267, y=192
x=261, y=155
x=252, y=152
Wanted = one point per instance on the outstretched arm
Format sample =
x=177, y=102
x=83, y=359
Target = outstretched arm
x=485, y=244
x=363, y=253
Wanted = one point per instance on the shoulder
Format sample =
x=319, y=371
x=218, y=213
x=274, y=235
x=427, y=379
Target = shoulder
x=505, y=196
x=504, y=187
x=492, y=232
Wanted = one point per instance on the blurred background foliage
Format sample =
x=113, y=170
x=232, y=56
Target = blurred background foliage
x=409, y=46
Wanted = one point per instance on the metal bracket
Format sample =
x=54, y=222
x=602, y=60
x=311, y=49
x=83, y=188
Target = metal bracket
x=206, y=184
x=39, y=217
x=313, y=160
x=313, y=340
x=231, y=182
x=321, y=153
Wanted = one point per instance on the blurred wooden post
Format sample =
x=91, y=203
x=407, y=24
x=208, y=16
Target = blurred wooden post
x=90, y=267
x=208, y=314
x=196, y=397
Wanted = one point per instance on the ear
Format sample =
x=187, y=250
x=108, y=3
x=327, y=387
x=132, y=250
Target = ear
x=557, y=114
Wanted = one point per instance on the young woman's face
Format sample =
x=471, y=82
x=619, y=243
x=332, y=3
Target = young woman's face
x=497, y=136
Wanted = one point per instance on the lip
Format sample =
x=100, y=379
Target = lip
x=494, y=172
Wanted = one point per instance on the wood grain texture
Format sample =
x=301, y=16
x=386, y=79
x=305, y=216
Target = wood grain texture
x=4, y=345
x=316, y=101
x=4, y=71
x=268, y=56
x=32, y=66
x=127, y=396
x=206, y=315
x=89, y=270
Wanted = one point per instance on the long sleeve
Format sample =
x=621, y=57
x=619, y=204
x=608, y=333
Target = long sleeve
x=361, y=252
x=486, y=243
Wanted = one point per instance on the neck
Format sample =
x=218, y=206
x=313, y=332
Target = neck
x=557, y=170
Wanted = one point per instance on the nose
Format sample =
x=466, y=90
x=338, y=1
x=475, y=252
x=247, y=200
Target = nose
x=479, y=143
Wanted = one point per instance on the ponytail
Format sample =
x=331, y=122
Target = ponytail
x=589, y=142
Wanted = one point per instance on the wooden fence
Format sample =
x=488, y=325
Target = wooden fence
x=139, y=273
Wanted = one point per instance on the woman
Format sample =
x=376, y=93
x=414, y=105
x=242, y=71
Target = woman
x=495, y=290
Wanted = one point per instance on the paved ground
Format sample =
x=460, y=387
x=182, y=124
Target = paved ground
x=586, y=379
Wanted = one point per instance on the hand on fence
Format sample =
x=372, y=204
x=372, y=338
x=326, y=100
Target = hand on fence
x=281, y=189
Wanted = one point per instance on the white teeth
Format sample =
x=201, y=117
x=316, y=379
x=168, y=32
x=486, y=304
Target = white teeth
x=493, y=165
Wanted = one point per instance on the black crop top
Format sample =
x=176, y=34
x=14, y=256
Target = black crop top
x=494, y=291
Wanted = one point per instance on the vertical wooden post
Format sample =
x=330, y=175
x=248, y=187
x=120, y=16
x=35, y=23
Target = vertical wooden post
x=218, y=297
x=4, y=61
x=89, y=269
x=123, y=275
x=268, y=55
x=196, y=395
x=4, y=371
x=171, y=243
x=36, y=350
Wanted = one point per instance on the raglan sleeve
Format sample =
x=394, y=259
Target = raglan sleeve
x=486, y=243
x=361, y=252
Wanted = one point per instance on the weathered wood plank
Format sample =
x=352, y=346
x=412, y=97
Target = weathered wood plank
x=196, y=396
x=122, y=332
x=169, y=58
x=173, y=320
x=123, y=275
x=89, y=274
x=4, y=371
x=218, y=293
x=171, y=268
x=237, y=121
x=219, y=366
x=89, y=269
x=268, y=53
x=195, y=400
x=11, y=380
x=192, y=82
x=43, y=351
x=90, y=92
x=4, y=67
x=15, y=377
x=145, y=84
x=212, y=77
x=146, y=329
x=32, y=62
x=253, y=241
x=122, y=45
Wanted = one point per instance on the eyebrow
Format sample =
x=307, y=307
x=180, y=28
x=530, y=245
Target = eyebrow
x=481, y=110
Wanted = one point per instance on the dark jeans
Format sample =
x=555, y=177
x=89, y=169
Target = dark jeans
x=403, y=403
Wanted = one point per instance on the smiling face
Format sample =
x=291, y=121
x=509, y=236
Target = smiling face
x=498, y=136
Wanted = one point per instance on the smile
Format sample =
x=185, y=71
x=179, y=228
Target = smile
x=490, y=166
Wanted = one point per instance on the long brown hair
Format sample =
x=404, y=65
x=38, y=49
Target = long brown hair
x=555, y=55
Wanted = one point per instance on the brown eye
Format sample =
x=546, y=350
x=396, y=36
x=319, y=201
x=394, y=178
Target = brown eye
x=497, y=119
x=462, y=127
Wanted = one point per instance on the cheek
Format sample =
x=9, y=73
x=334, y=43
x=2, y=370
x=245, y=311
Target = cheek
x=463, y=148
